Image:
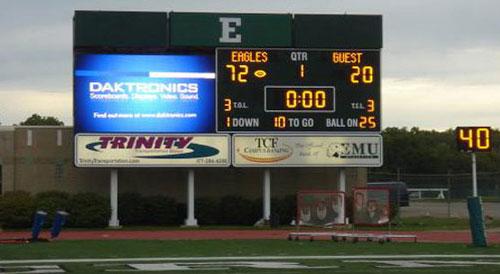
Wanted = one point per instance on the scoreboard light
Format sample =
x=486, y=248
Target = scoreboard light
x=474, y=139
x=298, y=90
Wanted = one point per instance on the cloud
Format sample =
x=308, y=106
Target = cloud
x=466, y=66
x=440, y=61
x=431, y=104
x=21, y=104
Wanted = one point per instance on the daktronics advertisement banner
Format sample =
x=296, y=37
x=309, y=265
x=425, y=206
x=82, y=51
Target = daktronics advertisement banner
x=302, y=151
x=124, y=93
x=152, y=150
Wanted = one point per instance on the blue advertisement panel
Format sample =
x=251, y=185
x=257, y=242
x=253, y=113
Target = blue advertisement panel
x=126, y=93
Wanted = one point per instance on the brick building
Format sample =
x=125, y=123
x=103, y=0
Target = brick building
x=40, y=158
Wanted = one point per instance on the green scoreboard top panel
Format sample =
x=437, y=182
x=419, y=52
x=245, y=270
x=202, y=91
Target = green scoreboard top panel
x=161, y=30
x=120, y=29
x=212, y=30
x=298, y=90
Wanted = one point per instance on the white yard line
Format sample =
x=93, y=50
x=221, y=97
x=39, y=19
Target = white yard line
x=184, y=259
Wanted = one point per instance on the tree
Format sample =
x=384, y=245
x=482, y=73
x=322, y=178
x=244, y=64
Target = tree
x=429, y=151
x=37, y=120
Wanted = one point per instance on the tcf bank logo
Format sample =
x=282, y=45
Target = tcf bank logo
x=265, y=150
x=353, y=150
x=158, y=147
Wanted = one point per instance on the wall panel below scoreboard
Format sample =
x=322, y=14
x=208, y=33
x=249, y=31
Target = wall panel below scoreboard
x=298, y=90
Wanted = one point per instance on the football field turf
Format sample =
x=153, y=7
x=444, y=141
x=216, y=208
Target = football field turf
x=246, y=256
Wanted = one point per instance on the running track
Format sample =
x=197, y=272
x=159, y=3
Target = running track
x=427, y=236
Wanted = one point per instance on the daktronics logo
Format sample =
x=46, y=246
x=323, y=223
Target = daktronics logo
x=354, y=150
x=166, y=147
x=143, y=87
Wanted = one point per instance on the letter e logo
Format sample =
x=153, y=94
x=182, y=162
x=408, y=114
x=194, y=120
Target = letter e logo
x=229, y=34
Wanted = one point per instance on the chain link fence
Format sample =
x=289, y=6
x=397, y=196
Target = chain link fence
x=458, y=185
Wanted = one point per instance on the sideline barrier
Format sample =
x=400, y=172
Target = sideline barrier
x=371, y=207
x=38, y=224
x=59, y=222
x=38, y=221
x=336, y=236
x=476, y=219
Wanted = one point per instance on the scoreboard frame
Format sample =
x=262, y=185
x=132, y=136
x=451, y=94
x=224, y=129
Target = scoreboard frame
x=291, y=132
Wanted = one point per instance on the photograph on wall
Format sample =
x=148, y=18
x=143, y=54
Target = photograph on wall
x=320, y=208
x=371, y=206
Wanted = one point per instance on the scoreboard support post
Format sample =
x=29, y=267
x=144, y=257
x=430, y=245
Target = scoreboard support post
x=474, y=175
x=113, y=195
x=474, y=139
x=267, y=195
x=191, y=220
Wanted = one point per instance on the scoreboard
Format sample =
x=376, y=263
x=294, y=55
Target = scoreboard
x=305, y=92
x=298, y=90
x=474, y=139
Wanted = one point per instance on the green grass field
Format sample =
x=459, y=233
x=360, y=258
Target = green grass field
x=202, y=255
x=405, y=224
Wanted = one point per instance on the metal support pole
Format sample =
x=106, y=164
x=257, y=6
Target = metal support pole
x=342, y=186
x=474, y=177
x=449, y=193
x=267, y=195
x=190, y=221
x=113, y=195
x=342, y=182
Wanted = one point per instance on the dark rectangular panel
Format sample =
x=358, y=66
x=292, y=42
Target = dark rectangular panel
x=224, y=29
x=338, y=31
x=120, y=29
x=298, y=90
x=474, y=139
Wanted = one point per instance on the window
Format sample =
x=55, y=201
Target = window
x=29, y=138
x=59, y=137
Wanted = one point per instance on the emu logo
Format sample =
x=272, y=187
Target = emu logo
x=353, y=150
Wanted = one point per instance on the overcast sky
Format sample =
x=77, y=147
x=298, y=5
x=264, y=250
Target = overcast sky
x=441, y=59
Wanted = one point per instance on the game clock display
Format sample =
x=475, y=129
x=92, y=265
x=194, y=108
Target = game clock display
x=474, y=139
x=298, y=90
x=304, y=99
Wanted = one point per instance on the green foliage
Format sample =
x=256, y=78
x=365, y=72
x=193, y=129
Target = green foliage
x=424, y=151
x=236, y=210
x=88, y=210
x=285, y=208
x=51, y=202
x=160, y=210
x=207, y=210
x=131, y=209
x=16, y=209
x=37, y=120
x=92, y=210
x=134, y=209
